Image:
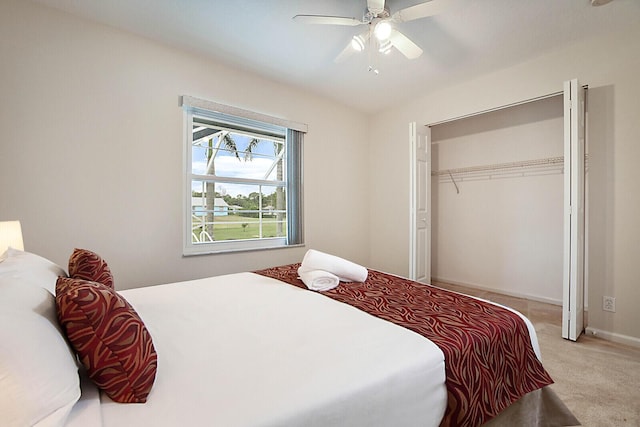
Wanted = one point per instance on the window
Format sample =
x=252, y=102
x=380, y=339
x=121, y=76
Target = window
x=243, y=180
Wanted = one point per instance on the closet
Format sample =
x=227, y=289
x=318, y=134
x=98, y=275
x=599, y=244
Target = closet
x=497, y=192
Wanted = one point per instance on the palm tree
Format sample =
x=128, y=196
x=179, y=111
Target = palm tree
x=226, y=140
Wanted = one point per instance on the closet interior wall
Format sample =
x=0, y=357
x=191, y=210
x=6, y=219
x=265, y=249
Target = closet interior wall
x=497, y=200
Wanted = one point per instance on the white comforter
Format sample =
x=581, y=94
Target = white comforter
x=246, y=350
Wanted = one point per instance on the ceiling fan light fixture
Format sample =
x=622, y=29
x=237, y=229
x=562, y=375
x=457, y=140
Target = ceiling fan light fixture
x=382, y=30
x=381, y=27
x=357, y=43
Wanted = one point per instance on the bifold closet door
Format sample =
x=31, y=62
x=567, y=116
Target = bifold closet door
x=420, y=200
x=574, y=211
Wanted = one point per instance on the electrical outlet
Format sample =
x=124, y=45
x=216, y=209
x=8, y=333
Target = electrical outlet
x=609, y=304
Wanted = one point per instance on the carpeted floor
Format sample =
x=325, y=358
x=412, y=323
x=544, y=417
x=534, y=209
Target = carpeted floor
x=598, y=380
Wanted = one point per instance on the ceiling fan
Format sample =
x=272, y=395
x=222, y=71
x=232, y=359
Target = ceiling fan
x=381, y=27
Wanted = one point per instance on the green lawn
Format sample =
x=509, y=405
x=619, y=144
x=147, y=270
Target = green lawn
x=230, y=227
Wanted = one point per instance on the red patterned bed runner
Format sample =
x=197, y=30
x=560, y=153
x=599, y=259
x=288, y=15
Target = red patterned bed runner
x=489, y=360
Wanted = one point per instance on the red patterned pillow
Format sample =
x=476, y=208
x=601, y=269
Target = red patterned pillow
x=87, y=265
x=109, y=337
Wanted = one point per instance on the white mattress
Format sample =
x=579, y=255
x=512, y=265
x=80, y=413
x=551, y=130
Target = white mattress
x=247, y=350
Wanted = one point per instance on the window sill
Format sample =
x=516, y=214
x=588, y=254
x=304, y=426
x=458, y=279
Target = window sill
x=212, y=251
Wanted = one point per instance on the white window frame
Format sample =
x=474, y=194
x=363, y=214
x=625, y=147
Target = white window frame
x=245, y=121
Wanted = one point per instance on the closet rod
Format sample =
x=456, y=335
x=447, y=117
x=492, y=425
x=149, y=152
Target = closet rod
x=550, y=161
x=537, y=164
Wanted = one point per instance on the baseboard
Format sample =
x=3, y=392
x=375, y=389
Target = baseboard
x=612, y=336
x=499, y=291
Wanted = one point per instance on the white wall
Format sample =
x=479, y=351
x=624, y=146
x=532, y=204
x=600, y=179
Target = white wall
x=91, y=146
x=516, y=218
x=610, y=65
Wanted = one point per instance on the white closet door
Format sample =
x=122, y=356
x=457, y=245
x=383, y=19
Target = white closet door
x=420, y=226
x=574, y=177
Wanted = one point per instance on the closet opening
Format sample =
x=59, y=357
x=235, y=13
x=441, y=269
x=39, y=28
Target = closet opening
x=497, y=200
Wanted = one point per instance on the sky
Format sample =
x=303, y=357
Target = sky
x=228, y=165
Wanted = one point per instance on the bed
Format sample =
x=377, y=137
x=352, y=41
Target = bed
x=246, y=349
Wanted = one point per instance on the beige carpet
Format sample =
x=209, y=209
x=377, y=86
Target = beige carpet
x=599, y=381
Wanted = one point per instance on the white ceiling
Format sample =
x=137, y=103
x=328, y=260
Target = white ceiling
x=474, y=37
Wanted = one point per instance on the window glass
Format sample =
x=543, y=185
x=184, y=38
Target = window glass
x=239, y=186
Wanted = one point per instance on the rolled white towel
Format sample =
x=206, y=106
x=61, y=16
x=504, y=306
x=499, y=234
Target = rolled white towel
x=318, y=280
x=346, y=271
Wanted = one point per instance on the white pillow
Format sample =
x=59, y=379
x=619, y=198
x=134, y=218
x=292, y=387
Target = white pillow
x=39, y=381
x=30, y=268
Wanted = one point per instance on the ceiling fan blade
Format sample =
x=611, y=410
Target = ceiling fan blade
x=345, y=54
x=349, y=50
x=404, y=45
x=327, y=20
x=422, y=10
x=375, y=6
